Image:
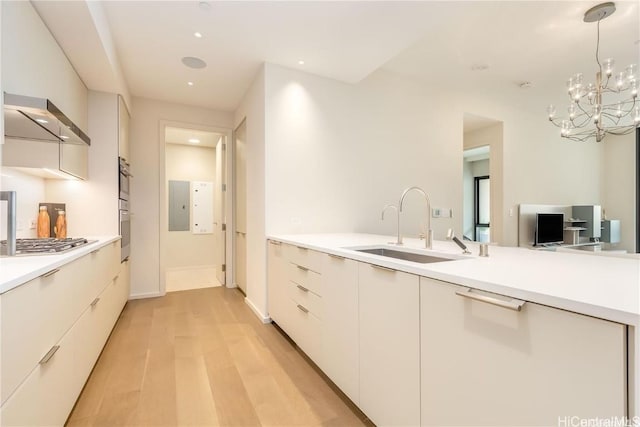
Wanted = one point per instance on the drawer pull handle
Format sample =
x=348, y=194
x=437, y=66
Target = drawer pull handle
x=304, y=310
x=303, y=268
x=302, y=249
x=116, y=278
x=514, y=304
x=94, y=252
x=49, y=355
x=302, y=288
x=275, y=242
x=379, y=267
x=124, y=260
x=94, y=302
x=336, y=256
x=51, y=272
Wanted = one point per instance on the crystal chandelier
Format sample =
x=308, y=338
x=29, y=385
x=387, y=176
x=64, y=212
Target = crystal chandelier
x=607, y=106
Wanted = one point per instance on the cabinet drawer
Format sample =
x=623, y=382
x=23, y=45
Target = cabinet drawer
x=308, y=332
x=104, y=267
x=48, y=394
x=304, y=257
x=34, y=317
x=306, y=298
x=305, y=277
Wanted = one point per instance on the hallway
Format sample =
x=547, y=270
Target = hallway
x=201, y=357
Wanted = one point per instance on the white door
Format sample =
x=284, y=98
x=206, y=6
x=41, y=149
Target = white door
x=218, y=231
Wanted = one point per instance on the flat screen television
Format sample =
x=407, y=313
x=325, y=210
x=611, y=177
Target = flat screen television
x=549, y=228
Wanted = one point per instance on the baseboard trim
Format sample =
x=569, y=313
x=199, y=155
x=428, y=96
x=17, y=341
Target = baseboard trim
x=261, y=316
x=146, y=295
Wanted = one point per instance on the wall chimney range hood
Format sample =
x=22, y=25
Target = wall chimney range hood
x=42, y=141
x=38, y=119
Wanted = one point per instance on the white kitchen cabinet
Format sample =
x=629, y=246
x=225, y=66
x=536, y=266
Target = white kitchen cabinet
x=340, y=330
x=53, y=329
x=277, y=281
x=123, y=129
x=487, y=365
x=48, y=394
x=295, y=299
x=389, y=357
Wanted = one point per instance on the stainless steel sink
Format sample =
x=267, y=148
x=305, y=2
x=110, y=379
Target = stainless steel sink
x=407, y=256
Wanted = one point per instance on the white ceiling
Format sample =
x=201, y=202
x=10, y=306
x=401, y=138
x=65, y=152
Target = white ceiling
x=435, y=41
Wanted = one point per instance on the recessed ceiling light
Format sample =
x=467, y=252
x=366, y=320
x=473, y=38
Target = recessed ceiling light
x=41, y=121
x=64, y=137
x=194, y=140
x=301, y=62
x=193, y=62
x=197, y=35
x=190, y=83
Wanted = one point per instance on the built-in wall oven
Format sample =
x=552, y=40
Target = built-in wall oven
x=124, y=175
x=123, y=205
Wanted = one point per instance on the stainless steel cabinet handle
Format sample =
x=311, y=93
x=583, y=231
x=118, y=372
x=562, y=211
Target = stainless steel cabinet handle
x=94, y=302
x=49, y=354
x=514, y=304
x=302, y=288
x=274, y=242
x=302, y=268
x=336, y=256
x=379, y=267
x=302, y=249
x=51, y=272
x=302, y=308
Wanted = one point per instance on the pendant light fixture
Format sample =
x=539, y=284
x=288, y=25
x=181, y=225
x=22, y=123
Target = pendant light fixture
x=608, y=105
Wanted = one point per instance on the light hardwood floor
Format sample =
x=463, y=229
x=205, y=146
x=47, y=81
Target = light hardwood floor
x=202, y=358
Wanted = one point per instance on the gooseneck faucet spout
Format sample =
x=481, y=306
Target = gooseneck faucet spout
x=398, y=218
x=429, y=234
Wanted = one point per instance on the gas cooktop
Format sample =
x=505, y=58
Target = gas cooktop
x=44, y=246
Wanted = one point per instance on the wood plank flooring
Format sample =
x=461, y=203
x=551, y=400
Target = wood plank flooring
x=202, y=358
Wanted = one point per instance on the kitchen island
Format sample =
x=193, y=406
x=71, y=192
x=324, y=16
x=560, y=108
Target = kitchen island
x=557, y=324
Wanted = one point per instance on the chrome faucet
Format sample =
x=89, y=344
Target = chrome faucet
x=429, y=234
x=397, y=216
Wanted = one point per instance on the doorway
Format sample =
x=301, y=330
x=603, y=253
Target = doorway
x=192, y=245
x=240, y=211
x=476, y=191
x=482, y=179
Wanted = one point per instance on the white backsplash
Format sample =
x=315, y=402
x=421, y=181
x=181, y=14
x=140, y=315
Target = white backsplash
x=30, y=191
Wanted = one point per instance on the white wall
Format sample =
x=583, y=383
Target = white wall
x=146, y=138
x=252, y=107
x=189, y=163
x=618, y=190
x=92, y=205
x=33, y=64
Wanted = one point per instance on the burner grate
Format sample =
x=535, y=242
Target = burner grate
x=44, y=245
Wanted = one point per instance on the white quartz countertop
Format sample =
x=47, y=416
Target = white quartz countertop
x=599, y=286
x=17, y=270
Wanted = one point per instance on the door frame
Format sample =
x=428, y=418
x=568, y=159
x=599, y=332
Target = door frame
x=231, y=225
x=164, y=217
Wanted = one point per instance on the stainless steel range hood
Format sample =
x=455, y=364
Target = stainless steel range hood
x=42, y=141
x=38, y=119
